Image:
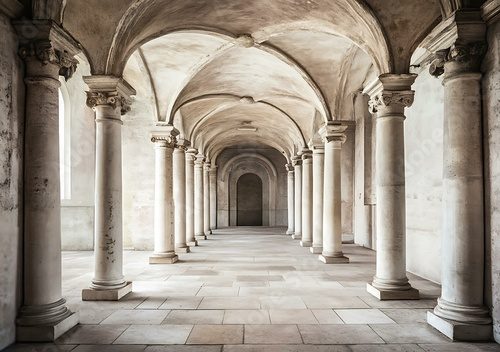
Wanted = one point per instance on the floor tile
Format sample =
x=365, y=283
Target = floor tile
x=229, y=303
x=319, y=302
x=216, y=334
x=409, y=333
x=155, y=334
x=338, y=334
x=181, y=303
x=406, y=316
x=38, y=347
x=110, y=348
x=248, y=316
x=363, y=316
x=136, y=316
x=194, y=317
x=184, y=348
x=285, y=348
x=272, y=334
x=92, y=334
x=386, y=348
x=292, y=316
x=327, y=316
x=462, y=347
x=218, y=291
x=282, y=303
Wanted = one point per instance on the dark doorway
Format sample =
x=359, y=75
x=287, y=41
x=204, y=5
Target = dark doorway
x=249, y=200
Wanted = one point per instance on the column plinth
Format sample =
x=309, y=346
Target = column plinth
x=333, y=138
x=318, y=158
x=290, y=200
x=307, y=205
x=461, y=313
x=190, y=233
x=179, y=197
x=389, y=97
x=48, y=53
x=297, y=165
x=199, y=230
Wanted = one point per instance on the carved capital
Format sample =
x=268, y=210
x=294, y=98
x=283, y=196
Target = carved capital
x=387, y=98
x=465, y=57
x=44, y=51
x=183, y=144
x=199, y=160
x=333, y=132
x=296, y=160
x=306, y=154
x=289, y=167
x=109, y=90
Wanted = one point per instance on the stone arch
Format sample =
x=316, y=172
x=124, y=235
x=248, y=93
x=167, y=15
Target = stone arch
x=262, y=167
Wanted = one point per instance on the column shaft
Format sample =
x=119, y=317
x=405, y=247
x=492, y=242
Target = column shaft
x=392, y=96
x=334, y=137
x=213, y=198
x=206, y=199
x=290, y=200
x=104, y=97
x=190, y=230
x=307, y=193
x=179, y=185
x=461, y=313
x=318, y=176
x=297, y=164
x=198, y=198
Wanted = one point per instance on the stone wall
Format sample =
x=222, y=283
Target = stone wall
x=424, y=169
x=11, y=142
x=77, y=209
x=491, y=120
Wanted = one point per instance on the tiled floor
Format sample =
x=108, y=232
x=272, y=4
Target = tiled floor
x=244, y=290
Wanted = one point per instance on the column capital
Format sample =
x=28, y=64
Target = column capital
x=296, y=160
x=213, y=169
x=47, y=42
x=207, y=165
x=459, y=58
x=289, y=167
x=316, y=145
x=109, y=90
x=306, y=154
x=182, y=144
x=199, y=159
x=391, y=90
x=333, y=132
x=165, y=135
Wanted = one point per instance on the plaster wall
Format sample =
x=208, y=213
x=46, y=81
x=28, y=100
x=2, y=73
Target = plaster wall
x=11, y=149
x=223, y=185
x=491, y=120
x=77, y=209
x=424, y=169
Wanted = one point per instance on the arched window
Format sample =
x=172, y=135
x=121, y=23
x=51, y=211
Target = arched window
x=64, y=143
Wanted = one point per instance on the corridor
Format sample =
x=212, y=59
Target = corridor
x=247, y=287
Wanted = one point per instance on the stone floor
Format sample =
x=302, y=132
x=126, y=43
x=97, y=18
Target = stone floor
x=248, y=289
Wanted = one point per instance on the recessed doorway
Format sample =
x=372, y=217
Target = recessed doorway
x=249, y=200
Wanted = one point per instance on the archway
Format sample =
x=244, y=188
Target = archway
x=249, y=200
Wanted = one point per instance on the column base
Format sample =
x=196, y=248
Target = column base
x=297, y=236
x=46, y=332
x=184, y=249
x=91, y=294
x=159, y=259
x=305, y=243
x=386, y=295
x=333, y=260
x=208, y=233
x=289, y=232
x=316, y=249
x=192, y=243
x=459, y=331
x=201, y=237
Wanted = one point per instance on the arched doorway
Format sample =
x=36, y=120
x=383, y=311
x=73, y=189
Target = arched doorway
x=249, y=200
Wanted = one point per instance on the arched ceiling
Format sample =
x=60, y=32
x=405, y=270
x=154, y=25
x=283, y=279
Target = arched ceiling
x=295, y=63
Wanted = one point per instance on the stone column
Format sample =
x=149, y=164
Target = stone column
x=198, y=198
x=43, y=315
x=164, y=242
x=307, y=192
x=190, y=232
x=206, y=199
x=179, y=185
x=390, y=94
x=297, y=164
x=213, y=197
x=460, y=313
x=333, y=137
x=108, y=96
x=318, y=160
x=290, y=186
